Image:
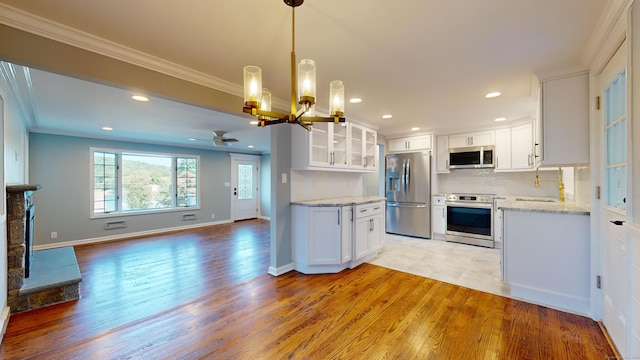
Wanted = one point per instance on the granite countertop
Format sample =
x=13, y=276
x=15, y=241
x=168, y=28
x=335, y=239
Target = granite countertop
x=22, y=187
x=353, y=200
x=544, y=205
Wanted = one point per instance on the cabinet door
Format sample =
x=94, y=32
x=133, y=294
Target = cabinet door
x=483, y=138
x=422, y=142
x=319, y=151
x=347, y=231
x=439, y=217
x=370, y=149
x=361, y=240
x=398, y=145
x=357, y=158
x=457, y=141
x=503, y=149
x=338, y=144
x=376, y=233
x=522, y=156
x=325, y=236
x=442, y=154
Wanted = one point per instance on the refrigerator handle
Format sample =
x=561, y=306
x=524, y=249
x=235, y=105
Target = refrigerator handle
x=404, y=175
x=408, y=176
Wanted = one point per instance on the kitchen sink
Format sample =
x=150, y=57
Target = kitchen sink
x=536, y=200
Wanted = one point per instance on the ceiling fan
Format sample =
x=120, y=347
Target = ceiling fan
x=220, y=140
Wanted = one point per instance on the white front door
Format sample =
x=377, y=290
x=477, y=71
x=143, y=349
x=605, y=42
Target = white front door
x=612, y=86
x=245, y=170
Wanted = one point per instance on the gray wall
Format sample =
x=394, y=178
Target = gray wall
x=281, y=148
x=61, y=165
x=265, y=185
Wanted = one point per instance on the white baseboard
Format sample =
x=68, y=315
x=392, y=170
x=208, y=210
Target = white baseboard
x=280, y=270
x=6, y=313
x=127, y=235
x=554, y=300
x=268, y=218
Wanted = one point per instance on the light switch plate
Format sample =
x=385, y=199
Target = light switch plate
x=284, y=178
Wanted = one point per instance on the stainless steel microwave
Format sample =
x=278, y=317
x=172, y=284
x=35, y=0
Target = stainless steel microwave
x=472, y=157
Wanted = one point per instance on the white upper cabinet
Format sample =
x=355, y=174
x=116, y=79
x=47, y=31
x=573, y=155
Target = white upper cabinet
x=481, y=138
x=442, y=154
x=503, y=149
x=363, y=148
x=564, y=120
x=522, y=149
x=411, y=143
x=331, y=146
x=515, y=148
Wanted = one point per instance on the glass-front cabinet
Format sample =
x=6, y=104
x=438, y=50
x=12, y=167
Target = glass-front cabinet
x=363, y=148
x=341, y=146
x=328, y=145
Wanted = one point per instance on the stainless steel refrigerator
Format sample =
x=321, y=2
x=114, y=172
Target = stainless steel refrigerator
x=408, y=192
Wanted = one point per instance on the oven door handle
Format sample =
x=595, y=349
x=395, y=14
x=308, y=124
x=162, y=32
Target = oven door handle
x=470, y=205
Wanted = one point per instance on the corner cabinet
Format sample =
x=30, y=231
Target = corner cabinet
x=564, y=109
x=334, y=146
x=329, y=239
x=412, y=143
x=322, y=238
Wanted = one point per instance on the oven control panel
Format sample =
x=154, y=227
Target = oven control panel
x=482, y=198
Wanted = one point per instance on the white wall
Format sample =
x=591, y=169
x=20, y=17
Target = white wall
x=315, y=185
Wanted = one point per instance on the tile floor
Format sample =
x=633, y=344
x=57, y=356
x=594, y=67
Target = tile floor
x=460, y=264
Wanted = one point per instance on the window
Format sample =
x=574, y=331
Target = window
x=615, y=121
x=127, y=182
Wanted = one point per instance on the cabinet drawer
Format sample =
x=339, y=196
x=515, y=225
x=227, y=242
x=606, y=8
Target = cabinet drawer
x=369, y=209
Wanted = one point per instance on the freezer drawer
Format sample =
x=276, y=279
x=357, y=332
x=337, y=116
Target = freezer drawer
x=410, y=219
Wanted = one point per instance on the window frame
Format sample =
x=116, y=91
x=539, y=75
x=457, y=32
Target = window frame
x=119, y=183
x=616, y=126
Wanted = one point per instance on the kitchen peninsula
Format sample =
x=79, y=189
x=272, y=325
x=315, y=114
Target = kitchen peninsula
x=546, y=253
x=330, y=235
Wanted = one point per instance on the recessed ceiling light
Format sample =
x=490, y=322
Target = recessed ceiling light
x=192, y=139
x=250, y=146
x=140, y=98
x=415, y=128
x=355, y=100
x=107, y=128
x=501, y=119
x=387, y=116
x=253, y=123
x=493, y=94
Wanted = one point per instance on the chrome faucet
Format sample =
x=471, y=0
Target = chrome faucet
x=559, y=180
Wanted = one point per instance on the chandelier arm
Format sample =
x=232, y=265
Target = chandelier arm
x=312, y=119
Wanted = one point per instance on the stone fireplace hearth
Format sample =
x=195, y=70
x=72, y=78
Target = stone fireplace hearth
x=53, y=276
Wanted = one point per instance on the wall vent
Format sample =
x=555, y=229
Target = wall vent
x=115, y=224
x=188, y=217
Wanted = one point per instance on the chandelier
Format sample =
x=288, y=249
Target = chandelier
x=257, y=101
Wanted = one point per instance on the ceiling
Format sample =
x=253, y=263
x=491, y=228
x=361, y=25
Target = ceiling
x=428, y=63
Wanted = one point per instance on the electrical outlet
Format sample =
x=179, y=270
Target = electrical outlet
x=54, y=235
x=213, y=216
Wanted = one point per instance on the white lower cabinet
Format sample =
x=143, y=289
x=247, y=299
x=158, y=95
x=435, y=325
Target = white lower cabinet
x=328, y=239
x=368, y=231
x=439, y=217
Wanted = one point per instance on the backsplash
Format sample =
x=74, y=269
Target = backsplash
x=316, y=185
x=487, y=181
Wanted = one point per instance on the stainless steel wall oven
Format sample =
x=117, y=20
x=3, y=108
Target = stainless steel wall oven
x=470, y=219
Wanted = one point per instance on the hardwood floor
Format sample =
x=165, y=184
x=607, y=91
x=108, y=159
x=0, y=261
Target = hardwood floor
x=205, y=294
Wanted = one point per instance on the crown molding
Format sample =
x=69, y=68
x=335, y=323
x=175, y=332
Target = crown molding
x=36, y=25
x=608, y=34
x=18, y=82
